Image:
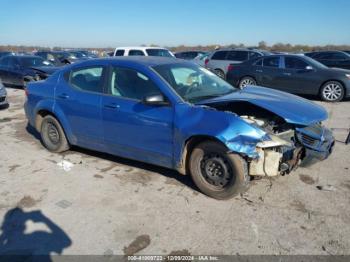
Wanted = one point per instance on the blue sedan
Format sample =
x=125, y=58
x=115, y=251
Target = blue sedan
x=175, y=114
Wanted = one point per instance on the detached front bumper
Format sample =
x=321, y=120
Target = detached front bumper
x=318, y=142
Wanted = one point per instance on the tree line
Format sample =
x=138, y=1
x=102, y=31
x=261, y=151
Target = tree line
x=278, y=47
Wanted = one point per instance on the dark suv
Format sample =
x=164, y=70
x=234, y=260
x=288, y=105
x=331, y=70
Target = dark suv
x=332, y=58
x=220, y=60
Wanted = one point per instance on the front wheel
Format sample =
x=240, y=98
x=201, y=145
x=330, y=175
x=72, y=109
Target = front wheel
x=332, y=91
x=247, y=81
x=216, y=172
x=52, y=135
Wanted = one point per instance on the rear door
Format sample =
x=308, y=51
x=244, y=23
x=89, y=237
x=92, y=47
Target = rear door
x=79, y=97
x=218, y=61
x=271, y=72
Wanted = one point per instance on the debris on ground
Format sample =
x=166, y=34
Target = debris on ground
x=65, y=165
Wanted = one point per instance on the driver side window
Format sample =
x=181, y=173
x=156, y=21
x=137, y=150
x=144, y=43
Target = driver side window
x=129, y=83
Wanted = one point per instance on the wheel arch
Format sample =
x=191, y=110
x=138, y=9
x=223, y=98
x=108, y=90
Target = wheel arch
x=332, y=80
x=189, y=144
x=43, y=112
x=248, y=76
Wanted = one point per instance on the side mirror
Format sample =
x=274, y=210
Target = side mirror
x=156, y=100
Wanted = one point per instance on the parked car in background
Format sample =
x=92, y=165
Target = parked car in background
x=346, y=51
x=337, y=59
x=294, y=74
x=219, y=61
x=201, y=59
x=84, y=54
x=6, y=53
x=3, y=95
x=176, y=114
x=188, y=55
x=142, y=51
x=58, y=58
x=18, y=70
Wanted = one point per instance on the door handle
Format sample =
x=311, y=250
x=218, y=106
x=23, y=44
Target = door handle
x=63, y=96
x=259, y=71
x=287, y=74
x=112, y=106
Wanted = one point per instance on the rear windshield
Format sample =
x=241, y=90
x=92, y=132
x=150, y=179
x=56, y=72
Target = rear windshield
x=158, y=52
x=33, y=61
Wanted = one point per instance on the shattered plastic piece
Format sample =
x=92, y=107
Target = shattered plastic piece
x=65, y=165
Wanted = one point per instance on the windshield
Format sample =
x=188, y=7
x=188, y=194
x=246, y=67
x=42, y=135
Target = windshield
x=194, y=83
x=158, y=52
x=34, y=61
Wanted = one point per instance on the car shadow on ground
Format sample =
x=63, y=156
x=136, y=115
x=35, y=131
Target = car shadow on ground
x=16, y=244
x=169, y=173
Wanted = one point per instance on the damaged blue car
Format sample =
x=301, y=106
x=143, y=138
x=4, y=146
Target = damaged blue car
x=178, y=115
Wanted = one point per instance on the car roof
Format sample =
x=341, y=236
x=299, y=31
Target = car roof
x=147, y=61
x=140, y=47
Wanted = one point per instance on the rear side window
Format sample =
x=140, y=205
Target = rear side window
x=295, y=63
x=254, y=55
x=120, y=52
x=237, y=56
x=87, y=79
x=272, y=62
x=219, y=55
x=331, y=56
x=136, y=53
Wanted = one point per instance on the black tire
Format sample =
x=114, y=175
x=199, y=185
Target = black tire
x=53, y=136
x=332, y=91
x=226, y=179
x=247, y=81
x=220, y=73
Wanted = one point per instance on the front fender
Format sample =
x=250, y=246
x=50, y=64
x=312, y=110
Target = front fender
x=227, y=127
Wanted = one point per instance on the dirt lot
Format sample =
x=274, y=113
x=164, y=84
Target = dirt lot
x=106, y=205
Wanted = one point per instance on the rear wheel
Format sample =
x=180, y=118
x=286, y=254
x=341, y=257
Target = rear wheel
x=332, y=91
x=247, y=81
x=220, y=73
x=52, y=135
x=217, y=173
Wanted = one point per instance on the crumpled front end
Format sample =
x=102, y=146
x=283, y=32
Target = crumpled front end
x=290, y=149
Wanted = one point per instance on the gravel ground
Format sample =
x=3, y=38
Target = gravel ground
x=84, y=202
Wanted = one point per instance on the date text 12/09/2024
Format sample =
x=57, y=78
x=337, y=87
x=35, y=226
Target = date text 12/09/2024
x=173, y=258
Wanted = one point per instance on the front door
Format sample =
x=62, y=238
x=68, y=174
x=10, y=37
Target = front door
x=133, y=129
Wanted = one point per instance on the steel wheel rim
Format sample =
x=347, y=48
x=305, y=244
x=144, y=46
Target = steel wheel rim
x=332, y=92
x=53, y=134
x=216, y=170
x=247, y=82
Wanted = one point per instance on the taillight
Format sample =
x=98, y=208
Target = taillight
x=230, y=68
x=206, y=61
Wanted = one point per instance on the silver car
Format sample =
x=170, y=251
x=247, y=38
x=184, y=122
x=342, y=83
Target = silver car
x=220, y=60
x=3, y=94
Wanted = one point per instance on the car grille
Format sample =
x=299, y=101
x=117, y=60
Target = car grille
x=308, y=140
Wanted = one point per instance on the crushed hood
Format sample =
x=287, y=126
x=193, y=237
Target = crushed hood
x=293, y=109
